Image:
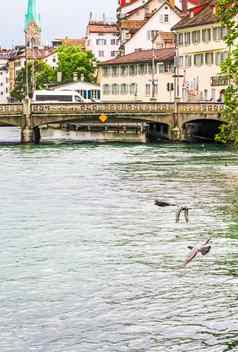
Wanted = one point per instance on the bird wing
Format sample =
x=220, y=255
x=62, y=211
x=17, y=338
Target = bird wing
x=204, y=250
x=191, y=256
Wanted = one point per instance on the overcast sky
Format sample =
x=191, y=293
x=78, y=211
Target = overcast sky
x=59, y=18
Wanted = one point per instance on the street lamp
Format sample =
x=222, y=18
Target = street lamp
x=27, y=70
x=153, y=34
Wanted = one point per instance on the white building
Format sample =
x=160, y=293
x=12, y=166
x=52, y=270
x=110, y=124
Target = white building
x=102, y=39
x=4, y=76
x=132, y=77
x=164, y=18
x=201, y=49
x=134, y=16
x=87, y=90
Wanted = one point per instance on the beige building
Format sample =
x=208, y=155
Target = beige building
x=140, y=76
x=200, y=51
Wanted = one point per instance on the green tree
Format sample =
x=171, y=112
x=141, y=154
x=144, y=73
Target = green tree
x=43, y=75
x=73, y=60
x=227, y=11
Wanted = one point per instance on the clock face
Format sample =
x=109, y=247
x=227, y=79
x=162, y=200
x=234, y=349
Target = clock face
x=33, y=34
x=34, y=29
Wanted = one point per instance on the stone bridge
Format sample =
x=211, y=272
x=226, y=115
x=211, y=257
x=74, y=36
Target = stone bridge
x=29, y=117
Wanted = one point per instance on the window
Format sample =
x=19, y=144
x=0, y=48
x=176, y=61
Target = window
x=187, y=38
x=124, y=70
x=113, y=53
x=155, y=88
x=132, y=70
x=101, y=53
x=219, y=33
x=206, y=35
x=133, y=89
x=188, y=60
x=149, y=68
x=198, y=59
x=170, y=86
x=141, y=69
x=106, y=71
x=208, y=58
x=115, y=71
x=101, y=42
x=220, y=57
x=115, y=89
x=147, y=89
x=161, y=68
x=195, y=37
x=213, y=94
x=106, y=89
x=180, y=39
x=113, y=41
x=180, y=60
x=124, y=88
x=205, y=94
x=166, y=18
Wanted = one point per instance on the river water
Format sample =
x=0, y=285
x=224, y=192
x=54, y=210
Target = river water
x=90, y=264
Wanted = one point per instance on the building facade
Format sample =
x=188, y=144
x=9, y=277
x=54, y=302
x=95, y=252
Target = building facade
x=133, y=17
x=102, y=38
x=140, y=76
x=160, y=24
x=4, y=80
x=200, y=51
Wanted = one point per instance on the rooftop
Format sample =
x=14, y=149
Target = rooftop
x=38, y=53
x=102, y=27
x=166, y=54
x=198, y=16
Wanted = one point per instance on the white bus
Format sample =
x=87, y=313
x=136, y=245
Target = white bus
x=52, y=96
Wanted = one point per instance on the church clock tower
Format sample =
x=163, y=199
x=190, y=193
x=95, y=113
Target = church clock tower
x=32, y=25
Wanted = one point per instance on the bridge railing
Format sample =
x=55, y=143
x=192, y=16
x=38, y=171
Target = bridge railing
x=124, y=108
x=112, y=108
x=11, y=109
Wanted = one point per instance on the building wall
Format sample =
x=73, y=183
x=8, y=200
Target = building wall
x=162, y=20
x=200, y=61
x=104, y=46
x=4, y=84
x=119, y=84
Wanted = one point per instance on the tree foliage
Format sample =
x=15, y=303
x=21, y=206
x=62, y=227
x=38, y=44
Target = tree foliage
x=227, y=11
x=73, y=60
x=43, y=74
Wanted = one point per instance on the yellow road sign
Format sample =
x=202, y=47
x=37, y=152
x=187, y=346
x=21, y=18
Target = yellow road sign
x=103, y=118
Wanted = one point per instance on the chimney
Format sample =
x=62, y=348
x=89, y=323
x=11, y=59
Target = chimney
x=184, y=6
x=172, y=3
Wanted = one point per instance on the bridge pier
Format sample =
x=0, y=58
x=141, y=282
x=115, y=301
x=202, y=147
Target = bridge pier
x=26, y=128
x=26, y=135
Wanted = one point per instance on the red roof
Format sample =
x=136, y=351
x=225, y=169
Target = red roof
x=126, y=2
x=198, y=16
x=166, y=54
x=102, y=27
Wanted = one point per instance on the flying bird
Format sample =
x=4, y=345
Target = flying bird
x=180, y=210
x=183, y=210
x=203, y=249
x=163, y=204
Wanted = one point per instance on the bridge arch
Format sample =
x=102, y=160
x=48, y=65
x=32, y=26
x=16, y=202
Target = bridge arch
x=201, y=129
